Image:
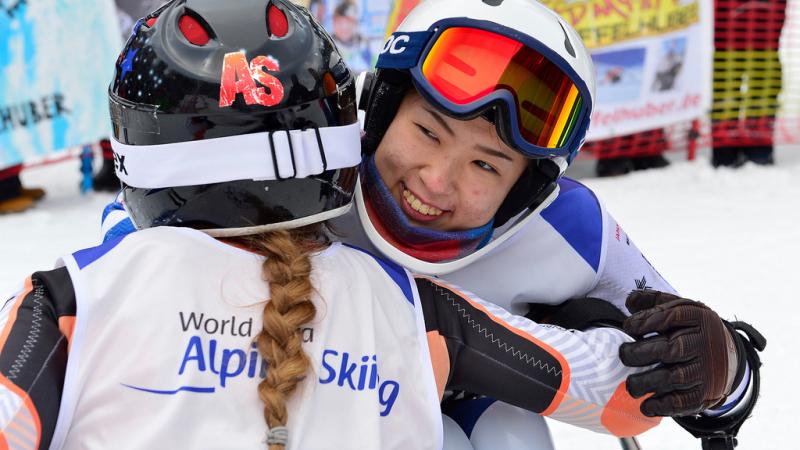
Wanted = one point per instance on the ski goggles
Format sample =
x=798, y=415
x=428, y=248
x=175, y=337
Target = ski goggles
x=467, y=67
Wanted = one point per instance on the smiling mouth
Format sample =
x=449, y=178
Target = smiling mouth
x=417, y=205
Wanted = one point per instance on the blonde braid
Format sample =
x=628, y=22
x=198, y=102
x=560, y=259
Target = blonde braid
x=287, y=269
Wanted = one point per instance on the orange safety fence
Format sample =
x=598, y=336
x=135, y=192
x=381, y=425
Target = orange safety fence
x=756, y=86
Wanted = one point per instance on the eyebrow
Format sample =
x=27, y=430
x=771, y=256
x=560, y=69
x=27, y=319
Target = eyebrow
x=488, y=150
x=493, y=152
x=439, y=119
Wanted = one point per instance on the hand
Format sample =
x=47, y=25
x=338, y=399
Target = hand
x=693, y=349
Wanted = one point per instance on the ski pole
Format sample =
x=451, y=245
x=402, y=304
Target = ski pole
x=629, y=443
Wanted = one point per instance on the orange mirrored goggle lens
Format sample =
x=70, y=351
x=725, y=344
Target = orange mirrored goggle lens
x=466, y=64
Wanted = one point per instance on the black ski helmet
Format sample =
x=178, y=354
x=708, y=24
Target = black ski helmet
x=233, y=118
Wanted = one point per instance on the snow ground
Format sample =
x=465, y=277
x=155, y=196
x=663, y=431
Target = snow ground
x=726, y=237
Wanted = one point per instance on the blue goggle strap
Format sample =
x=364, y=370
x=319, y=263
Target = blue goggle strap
x=402, y=50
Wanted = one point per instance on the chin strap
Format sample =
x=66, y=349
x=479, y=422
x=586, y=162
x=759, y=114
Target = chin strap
x=719, y=433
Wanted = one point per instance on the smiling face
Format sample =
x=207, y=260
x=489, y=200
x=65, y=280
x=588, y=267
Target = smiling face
x=446, y=174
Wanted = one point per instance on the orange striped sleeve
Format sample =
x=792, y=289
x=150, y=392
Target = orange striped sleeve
x=24, y=430
x=622, y=416
x=34, y=350
x=562, y=389
x=514, y=360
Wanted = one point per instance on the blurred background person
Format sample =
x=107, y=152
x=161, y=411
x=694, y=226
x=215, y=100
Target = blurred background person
x=316, y=8
x=747, y=80
x=637, y=151
x=13, y=196
x=348, y=38
x=105, y=180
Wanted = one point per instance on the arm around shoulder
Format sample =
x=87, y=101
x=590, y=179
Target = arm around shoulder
x=567, y=375
x=34, y=343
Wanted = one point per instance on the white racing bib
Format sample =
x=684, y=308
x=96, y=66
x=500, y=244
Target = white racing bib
x=162, y=355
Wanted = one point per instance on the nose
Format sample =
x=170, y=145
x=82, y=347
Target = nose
x=439, y=176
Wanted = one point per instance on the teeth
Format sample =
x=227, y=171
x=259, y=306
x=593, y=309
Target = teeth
x=420, y=207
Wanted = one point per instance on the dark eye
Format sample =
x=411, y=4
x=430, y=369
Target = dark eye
x=277, y=24
x=485, y=166
x=428, y=133
x=193, y=30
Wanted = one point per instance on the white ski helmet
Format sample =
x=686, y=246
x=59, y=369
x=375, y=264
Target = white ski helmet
x=514, y=62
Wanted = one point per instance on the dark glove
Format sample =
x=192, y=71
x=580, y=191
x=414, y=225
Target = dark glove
x=697, y=358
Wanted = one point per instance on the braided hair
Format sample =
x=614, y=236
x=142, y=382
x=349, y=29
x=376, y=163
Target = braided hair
x=287, y=269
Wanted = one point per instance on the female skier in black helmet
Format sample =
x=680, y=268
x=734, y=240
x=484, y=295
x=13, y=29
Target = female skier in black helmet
x=230, y=320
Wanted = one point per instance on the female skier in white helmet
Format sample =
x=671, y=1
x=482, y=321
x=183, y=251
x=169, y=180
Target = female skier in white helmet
x=474, y=112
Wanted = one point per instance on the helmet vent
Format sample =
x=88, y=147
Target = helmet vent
x=193, y=30
x=277, y=24
x=567, y=44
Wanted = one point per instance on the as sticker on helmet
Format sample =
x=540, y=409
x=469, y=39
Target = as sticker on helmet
x=240, y=78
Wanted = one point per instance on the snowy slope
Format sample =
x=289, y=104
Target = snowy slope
x=728, y=238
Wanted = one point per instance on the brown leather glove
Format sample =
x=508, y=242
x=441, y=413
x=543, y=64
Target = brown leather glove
x=696, y=356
